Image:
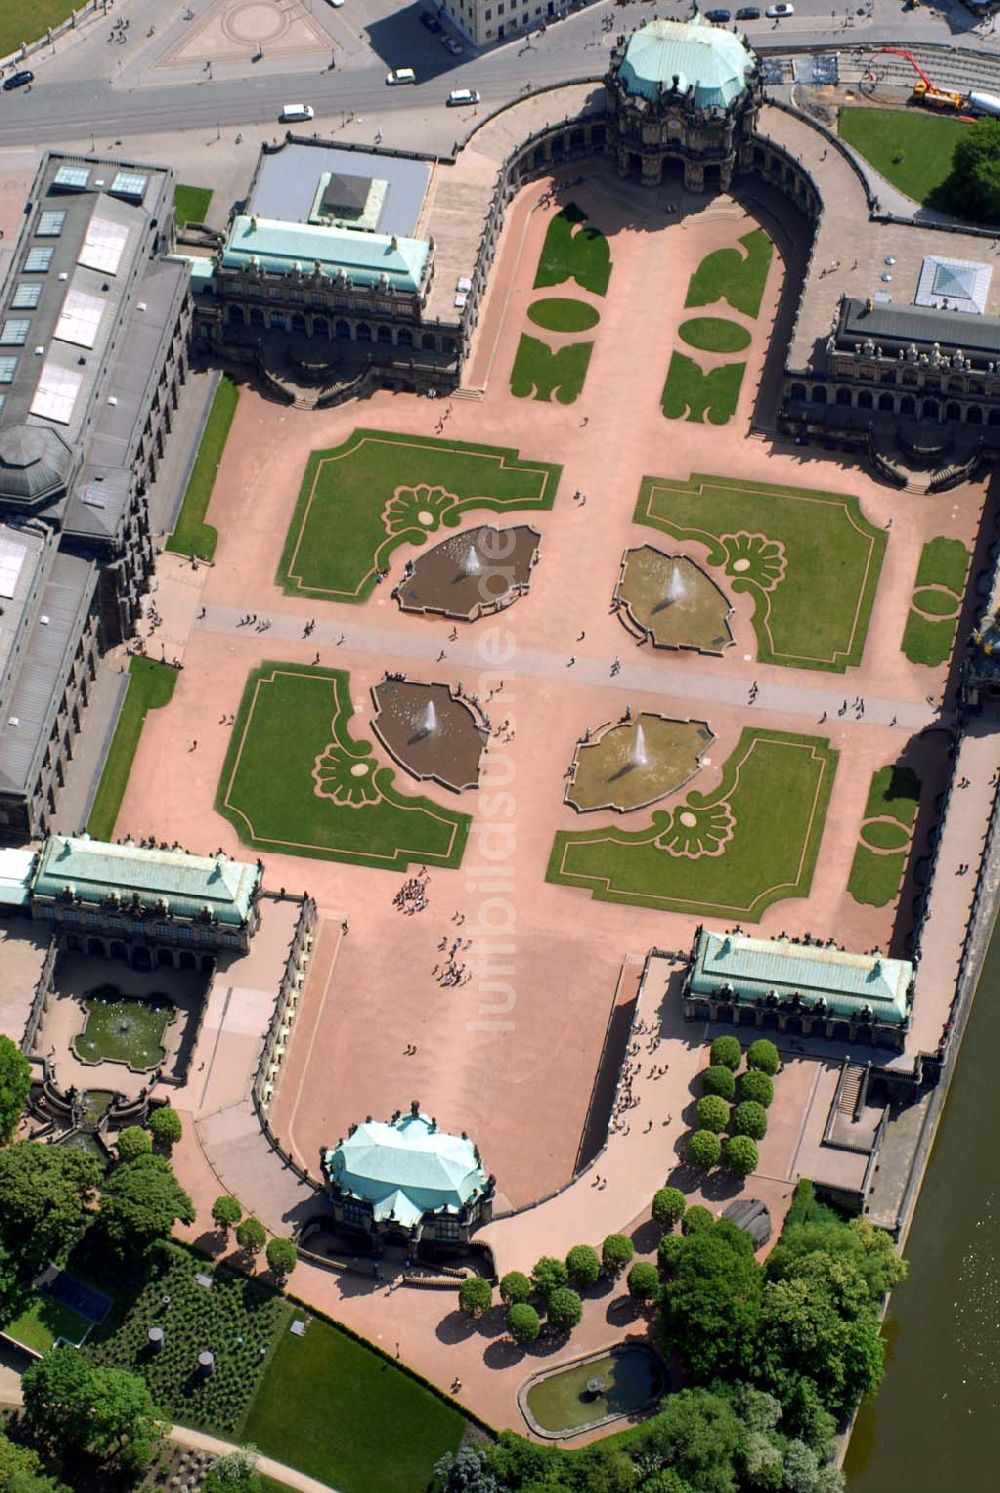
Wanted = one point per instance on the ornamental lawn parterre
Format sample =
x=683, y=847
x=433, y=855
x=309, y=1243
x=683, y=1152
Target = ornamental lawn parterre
x=361, y=500
x=810, y=560
x=295, y=780
x=729, y=853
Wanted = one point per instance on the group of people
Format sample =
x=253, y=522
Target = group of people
x=412, y=895
x=259, y=624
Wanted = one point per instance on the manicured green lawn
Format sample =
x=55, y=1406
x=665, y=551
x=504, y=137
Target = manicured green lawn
x=540, y=373
x=729, y=853
x=713, y=334
x=559, y=314
x=295, y=780
x=728, y=274
x=339, y=1412
x=691, y=393
x=191, y=204
x=933, y=618
x=574, y=252
x=150, y=687
x=378, y=490
x=912, y=148
x=43, y=1321
x=193, y=536
x=880, y=858
x=810, y=560
x=27, y=22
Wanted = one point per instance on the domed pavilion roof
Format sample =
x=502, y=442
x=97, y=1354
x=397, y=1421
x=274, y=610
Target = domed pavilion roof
x=34, y=463
x=713, y=61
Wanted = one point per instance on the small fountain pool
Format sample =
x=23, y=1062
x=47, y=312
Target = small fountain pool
x=598, y=1389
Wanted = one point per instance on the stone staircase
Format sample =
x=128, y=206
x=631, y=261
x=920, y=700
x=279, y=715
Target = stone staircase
x=850, y=1089
x=473, y=396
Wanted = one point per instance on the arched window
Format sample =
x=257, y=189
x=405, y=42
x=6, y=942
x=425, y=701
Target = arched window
x=362, y=332
x=953, y=411
x=256, y=316
x=930, y=409
x=321, y=327
x=864, y=400
x=236, y=316
x=819, y=394
x=342, y=331
x=975, y=415
x=404, y=337
x=429, y=342
x=385, y=334
x=906, y=405
x=797, y=391
x=843, y=396
x=298, y=322
x=886, y=402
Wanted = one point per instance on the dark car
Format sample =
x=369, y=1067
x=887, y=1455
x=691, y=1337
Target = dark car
x=430, y=21
x=748, y=13
x=18, y=80
x=718, y=17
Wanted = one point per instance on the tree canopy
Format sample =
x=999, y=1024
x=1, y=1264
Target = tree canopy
x=226, y=1212
x=236, y=1472
x=616, y=1253
x=719, y=1079
x=475, y=1296
x=564, y=1309
x=45, y=1193
x=726, y=1051
x=141, y=1202
x=514, y=1286
x=15, y=1086
x=133, y=1141
x=251, y=1236
x=710, y=1305
x=763, y=1055
x=973, y=188
x=548, y=1275
x=523, y=1322
x=669, y=1206
x=583, y=1266
x=109, y=1412
x=282, y=1258
x=165, y=1126
x=704, y=1148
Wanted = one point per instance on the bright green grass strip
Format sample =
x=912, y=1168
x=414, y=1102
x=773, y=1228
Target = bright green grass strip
x=150, y=687
x=28, y=22
x=574, y=252
x=726, y=274
x=193, y=536
x=814, y=560
x=943, y=562
x=928, y=642
x=876, y=879
x=293, y=721
x=895, y=790
x=191, y=204
x=712, y=334
x=692, y=394
x=378, y=490
x=43, y=1321
x=934, y=603
x=559, y=314
x=912, y=150
x=336, y=1410
x=771, y=804
x=540, y=373
x=881, y=835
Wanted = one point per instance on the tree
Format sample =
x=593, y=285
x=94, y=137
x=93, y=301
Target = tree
x=616, y=1252
x=643, y=1282
x=250, y=1236
x=124, y=1424
x=21, y=1470
x=564, y=1309
x=523, y=1322
x=720, y=1080
x=45, y=1192
x=756, y=1087
x=548, y=1275
x=668, y=1252
x=141, y=1202
x=727, y=1052
x=515, y=1287
x=704, y=1149
x=697, y=1436
x=56, y=1393
x=282, y=1258
x=133, y=1142
x=750, y=1119
x=475, y=1296
x=583, y=1266
x=805, y=1473
x=226, y=1212
x=669, y=1206
x=739, y=1156
x=973, y=188
x=698, y=1219
x=165, y=1126
x=15, y=1086
x=763, y=1055
x=709, y=1309
x=713, y=1114
x=466, y=1471
x=236, y=1472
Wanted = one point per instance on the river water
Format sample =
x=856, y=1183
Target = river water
x=934, y=1424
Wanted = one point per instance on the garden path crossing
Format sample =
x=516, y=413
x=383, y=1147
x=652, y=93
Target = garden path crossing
x=200, y=1442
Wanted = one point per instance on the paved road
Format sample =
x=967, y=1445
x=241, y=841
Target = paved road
x=91, y=86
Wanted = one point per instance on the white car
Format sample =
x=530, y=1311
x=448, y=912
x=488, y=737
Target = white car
x=451, y=45
x=779, y=12
x=459, y=96
x=400, y=75
x=335, y=3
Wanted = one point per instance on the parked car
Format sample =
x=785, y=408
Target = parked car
x=451, y=45
x=779, y=12
x=748, y=13
x=428, y=19
x=400, y=75
x=718, y=17
x=335, y=3
x=18, y=80
x=459, y=96
x=291, y=113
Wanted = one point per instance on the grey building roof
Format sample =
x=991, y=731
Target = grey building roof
x=897, y=326
x=35, y=462
x=287, y=179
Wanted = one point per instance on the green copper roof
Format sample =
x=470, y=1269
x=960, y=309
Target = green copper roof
x=708, y=58
x=406, y=1168
x=188, y=886
x=755, y=968
x=364, y=257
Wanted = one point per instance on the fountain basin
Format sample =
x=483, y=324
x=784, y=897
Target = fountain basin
x=430, y=732
x=560, y=1402
x=630, y=764
x=471, y=574
x=671, y=600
